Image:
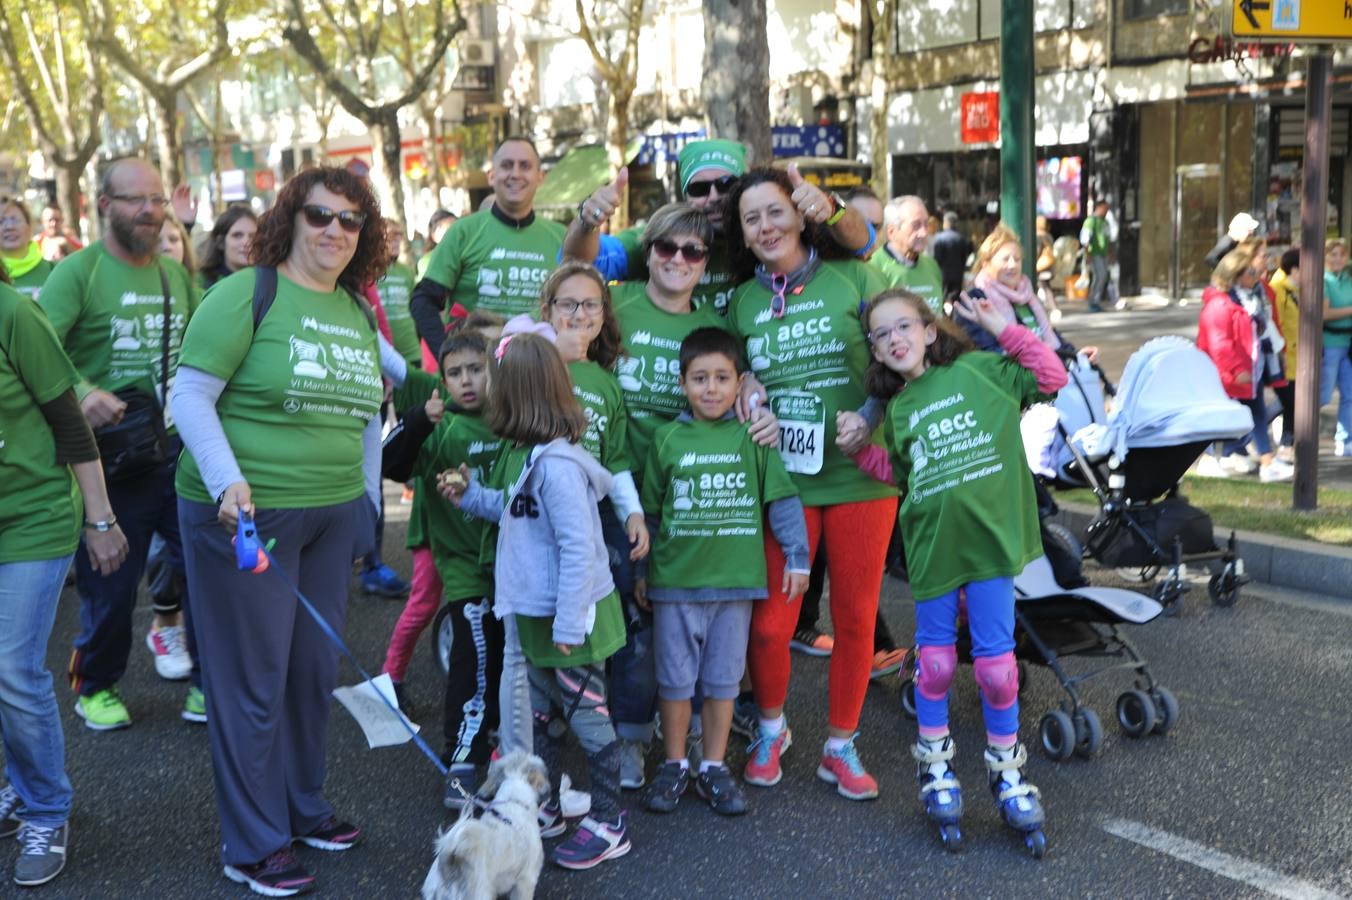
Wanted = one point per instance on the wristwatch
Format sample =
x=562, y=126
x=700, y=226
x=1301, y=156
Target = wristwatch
x=839, y=214
x=587, y=221
x=103, y=526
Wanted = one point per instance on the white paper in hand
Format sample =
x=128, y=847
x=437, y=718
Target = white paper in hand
x=382, y=726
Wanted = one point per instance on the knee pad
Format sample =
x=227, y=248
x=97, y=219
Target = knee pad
x=934, y=672
x=998, y=678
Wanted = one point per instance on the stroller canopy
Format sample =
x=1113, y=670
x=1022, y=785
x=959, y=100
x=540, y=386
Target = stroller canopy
x=1170, y=394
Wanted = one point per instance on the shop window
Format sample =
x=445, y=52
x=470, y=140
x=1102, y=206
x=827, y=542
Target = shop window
x=1149, y=9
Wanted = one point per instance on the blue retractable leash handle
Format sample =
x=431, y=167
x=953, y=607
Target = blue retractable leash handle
x=251, y=555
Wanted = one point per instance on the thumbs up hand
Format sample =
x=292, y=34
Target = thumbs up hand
x=603, y=202
x=434, y=407
x=812, y=202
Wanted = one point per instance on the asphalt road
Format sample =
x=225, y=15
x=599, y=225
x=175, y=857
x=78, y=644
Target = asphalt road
x=1256, y=770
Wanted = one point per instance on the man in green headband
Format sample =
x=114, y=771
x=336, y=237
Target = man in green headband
x=21, y=255
x=708, y=170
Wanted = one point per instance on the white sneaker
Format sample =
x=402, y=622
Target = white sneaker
x=1277, y=471
x=1286, y=454
x=1209, y=466
x=1340, y=448
x=1236, y=464
x=168, y=645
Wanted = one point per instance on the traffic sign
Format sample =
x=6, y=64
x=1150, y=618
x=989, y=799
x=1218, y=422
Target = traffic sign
x=1312, y=21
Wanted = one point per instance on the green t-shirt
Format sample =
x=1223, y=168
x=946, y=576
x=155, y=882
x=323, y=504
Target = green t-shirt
x=456, y=537
x=648, y=374
x=487, y=264
x=298, y=392
x=416, y=390
x=710, y=482
x=607, y=435
x=1338, y=293
x=30, y=283
x=108, y=315
x=924, y=279
x=812, y=363
x=395, y=289
x=42, y=509
x=715, y=285
x=968, y=512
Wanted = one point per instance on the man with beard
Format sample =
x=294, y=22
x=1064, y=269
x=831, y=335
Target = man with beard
x=107, y=305
x=708, y=170
x=497, y=259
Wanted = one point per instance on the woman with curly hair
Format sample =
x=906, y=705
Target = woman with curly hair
x=277, y=405
x=226, y=250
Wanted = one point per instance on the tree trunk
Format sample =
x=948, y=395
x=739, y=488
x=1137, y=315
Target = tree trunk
x=68, y=190
x=436, y=175
x=387, y=166
x=166, y=138
x=91, y=173
x=736, y=87
x=885, y=13
x=617, y=137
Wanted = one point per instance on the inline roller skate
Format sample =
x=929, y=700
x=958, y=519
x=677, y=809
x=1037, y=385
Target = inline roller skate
x=1018, y=800
x=939, y=788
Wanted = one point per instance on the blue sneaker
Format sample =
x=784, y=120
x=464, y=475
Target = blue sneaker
x=592, y=844
x=382, y=582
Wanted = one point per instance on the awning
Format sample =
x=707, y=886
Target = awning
x=579, y=172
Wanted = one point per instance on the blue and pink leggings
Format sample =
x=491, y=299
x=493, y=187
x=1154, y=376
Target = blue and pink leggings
x=990, y=619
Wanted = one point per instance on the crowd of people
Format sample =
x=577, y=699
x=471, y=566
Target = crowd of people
x=632, y=462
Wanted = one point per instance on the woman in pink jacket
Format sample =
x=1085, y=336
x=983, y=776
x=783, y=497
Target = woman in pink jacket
x=1242, y=337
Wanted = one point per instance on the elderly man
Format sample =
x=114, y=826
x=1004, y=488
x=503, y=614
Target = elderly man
x=56, y=240
x=120, y=308
x=708, y=171
x=497, y=259
x=902, y=261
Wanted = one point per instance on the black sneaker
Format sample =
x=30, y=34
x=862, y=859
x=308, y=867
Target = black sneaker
x=467, y=777
x=332, y=835
x=718, y=786
x=280, y=875
x=669, y=783
x=42, y=854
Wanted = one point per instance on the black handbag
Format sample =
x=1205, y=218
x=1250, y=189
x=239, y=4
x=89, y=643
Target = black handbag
x=139, y=442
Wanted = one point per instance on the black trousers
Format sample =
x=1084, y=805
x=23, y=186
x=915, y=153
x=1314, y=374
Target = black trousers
x=472, y=683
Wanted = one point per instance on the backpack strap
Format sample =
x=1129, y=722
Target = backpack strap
x=265, y=292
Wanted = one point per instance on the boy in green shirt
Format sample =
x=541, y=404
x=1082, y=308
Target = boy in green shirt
x=706, y=480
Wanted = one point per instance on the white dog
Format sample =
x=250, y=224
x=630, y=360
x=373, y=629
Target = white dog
x=494, y=848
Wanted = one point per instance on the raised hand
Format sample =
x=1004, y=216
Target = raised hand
x=434, y=407
x=603, y=202
x=812, y=202
x=981, y=311
x=184, y=204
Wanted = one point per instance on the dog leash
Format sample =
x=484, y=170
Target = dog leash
x=251, y=555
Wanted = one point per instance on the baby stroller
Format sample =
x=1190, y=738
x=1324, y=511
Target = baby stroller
x=1053, y=622
x=1170, y=407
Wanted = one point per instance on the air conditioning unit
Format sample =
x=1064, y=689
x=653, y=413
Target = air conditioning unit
x=476, y=53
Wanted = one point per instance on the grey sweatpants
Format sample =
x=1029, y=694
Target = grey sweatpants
x=267, y=668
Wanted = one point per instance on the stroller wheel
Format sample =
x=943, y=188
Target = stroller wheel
x=441, y=638
x=1023, y=676
x=908, y=699
x=1166, y=710
x=1222, y=588
x=1136, y=713
x=1088, y=733
x=1058, y=736
x=1137, y=574
x=1066, y=538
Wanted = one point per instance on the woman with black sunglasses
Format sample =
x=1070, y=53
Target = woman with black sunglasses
x=798, y=314
x=277, y=405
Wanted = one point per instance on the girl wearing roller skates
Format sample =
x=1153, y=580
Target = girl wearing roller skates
x=969, y=521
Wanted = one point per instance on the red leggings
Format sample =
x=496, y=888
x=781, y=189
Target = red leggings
x=856, y=548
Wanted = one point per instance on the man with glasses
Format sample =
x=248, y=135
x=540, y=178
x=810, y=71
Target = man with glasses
x=107, y=304
x=495, y=260
x=708, y=169
x=902, y=260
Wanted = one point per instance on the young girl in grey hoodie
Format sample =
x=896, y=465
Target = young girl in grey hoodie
x=553, y=588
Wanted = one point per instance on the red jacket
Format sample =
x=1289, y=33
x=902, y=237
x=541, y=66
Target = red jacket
x=1227, y=334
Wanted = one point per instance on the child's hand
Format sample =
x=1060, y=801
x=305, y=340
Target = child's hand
x=571, y=344
x=434, y=407
x=641, y=594
x=453, y=483
x=981, y=311
x=795, y=583
x=565, y=649
x=851, y=432
x=637, y=530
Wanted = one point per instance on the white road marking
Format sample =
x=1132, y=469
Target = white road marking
x=1222, y=864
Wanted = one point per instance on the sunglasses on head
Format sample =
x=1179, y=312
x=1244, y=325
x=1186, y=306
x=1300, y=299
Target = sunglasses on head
x=692, y=253
x=350, y=220
x=702, y=188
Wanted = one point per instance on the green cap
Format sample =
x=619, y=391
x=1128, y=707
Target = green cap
x=697, y=156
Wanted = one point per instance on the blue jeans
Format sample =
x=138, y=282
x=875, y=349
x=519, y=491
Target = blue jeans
x=1336, y=371
x=30, y=726
x=1261, y=436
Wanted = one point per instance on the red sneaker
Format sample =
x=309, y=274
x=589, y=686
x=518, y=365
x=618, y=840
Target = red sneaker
x=843, y=769
x=762, y=768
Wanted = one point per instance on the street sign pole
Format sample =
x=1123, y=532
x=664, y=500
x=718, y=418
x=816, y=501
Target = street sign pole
x=1016, y=126
x=1313, y=216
